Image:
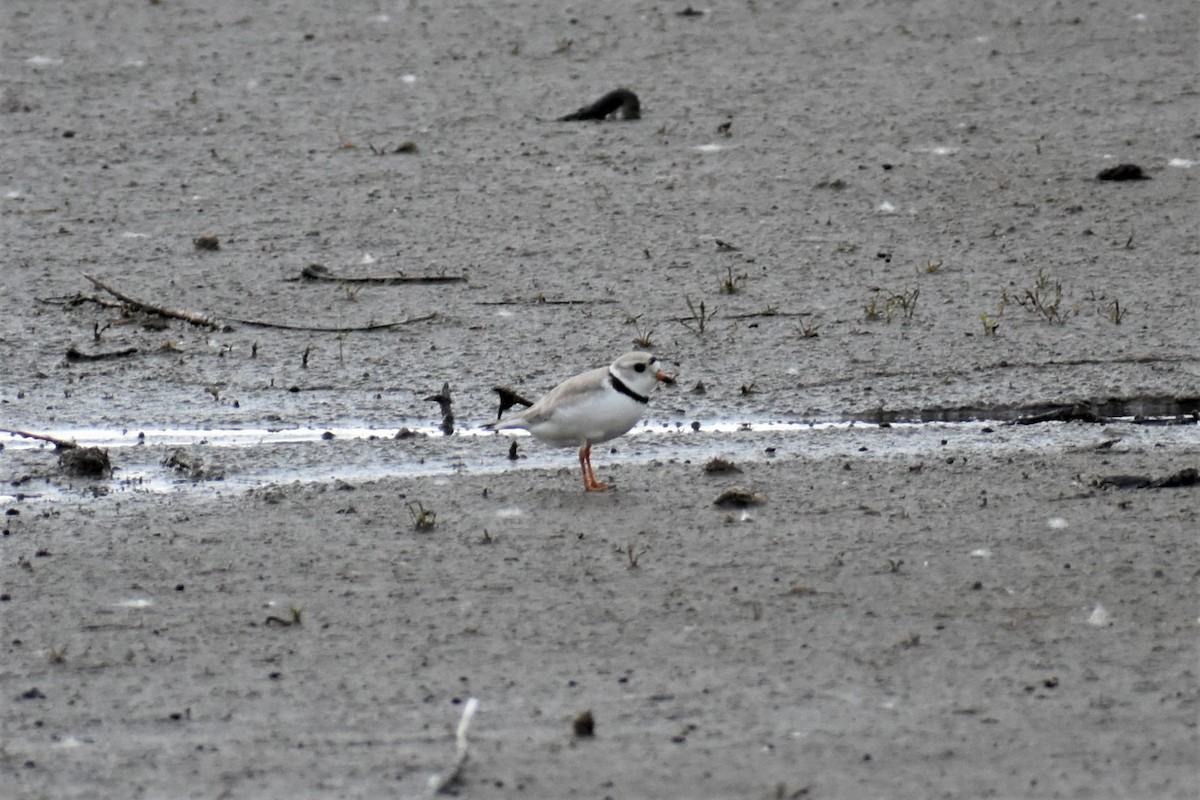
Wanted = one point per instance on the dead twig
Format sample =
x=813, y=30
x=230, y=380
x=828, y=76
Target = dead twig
x=1184, y=477
x=1075, y=412
x=87, y=462
x=407, y=146
x=79, y=299
x=376, y=326
x=223, y=324
x=61, y=444
x=440, y=783
x=617, y=104
x=508, y=399
x=443, y=400
x=769, y=311
x=74, y=354
x=319, y=272
x=542, y=301
x=293, y=618
x=699, y=319
x=187, y=316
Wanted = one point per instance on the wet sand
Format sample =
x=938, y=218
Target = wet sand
x=900, y=617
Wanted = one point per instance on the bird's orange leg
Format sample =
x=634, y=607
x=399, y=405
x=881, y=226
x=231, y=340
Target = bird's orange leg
x=587, y=482
x=589, y=475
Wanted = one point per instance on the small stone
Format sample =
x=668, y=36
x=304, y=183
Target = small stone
x=584, y=724
x=738, y=497
x=1123, y=172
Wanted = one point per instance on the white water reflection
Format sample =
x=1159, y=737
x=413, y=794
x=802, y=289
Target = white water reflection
x=239, y=459
x=250, y=437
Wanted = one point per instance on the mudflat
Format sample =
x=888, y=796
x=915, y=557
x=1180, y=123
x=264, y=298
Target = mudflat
x=826, y=212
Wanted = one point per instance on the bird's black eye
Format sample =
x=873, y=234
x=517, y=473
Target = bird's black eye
x=639, y=367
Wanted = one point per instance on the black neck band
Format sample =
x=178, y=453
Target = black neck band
x=620, y=386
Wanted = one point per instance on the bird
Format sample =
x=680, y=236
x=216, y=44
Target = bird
x=592, y=407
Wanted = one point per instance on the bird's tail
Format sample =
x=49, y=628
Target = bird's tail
x=501, y=425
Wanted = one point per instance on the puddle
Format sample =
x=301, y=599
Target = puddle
x=1154, y=410
x=238, y=459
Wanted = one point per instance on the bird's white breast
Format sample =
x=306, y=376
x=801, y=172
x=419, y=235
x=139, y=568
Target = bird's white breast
x=589, y=420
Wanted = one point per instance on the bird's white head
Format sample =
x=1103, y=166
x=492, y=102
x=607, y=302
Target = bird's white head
x=639, y=371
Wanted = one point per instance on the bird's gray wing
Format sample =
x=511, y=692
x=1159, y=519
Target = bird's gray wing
x=565, y=395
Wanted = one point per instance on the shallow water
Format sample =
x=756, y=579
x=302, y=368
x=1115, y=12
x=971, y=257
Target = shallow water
x=238, y=459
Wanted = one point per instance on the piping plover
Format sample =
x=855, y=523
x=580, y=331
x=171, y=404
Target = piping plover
x=592, y=407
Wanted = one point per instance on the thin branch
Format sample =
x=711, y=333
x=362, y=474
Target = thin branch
x=61, y=444
x=763, y=313
x=223, y=324
x=442, y=782
x=75, y=354
x=443, y=400
x=378, y=326
x=542, y=301
x=79, y=299
x=187, y=316
x=508, y=399
x=319, y=272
